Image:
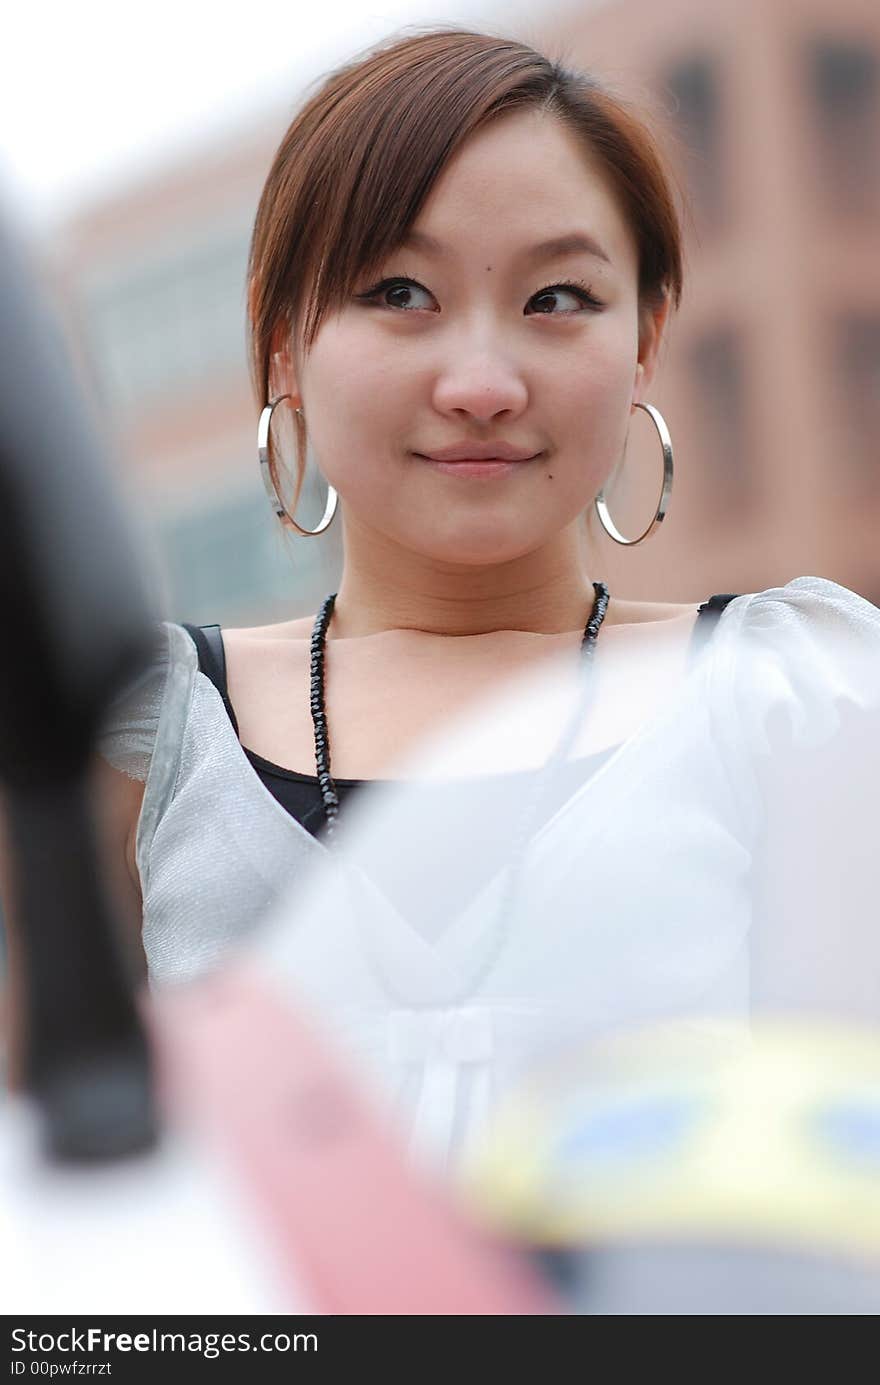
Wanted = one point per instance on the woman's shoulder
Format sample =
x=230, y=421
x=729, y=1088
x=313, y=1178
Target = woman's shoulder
x=626, y=612
x=809, y=605
x=284, y=631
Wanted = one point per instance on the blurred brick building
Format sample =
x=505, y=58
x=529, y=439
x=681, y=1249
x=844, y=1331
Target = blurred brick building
x=771, y=386
x=153, y=282
x=770, y=112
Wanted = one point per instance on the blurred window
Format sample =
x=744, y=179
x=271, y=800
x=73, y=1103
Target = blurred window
x=220, y=558
x=692, y=90
x=160, y=327
x=717, y=371
x=229, y=562
x=858, y=375
x=844, y=77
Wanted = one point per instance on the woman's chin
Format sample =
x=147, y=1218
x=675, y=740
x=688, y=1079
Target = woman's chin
x=475, y=550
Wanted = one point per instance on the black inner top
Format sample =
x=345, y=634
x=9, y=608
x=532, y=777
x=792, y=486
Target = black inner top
x=300, y=796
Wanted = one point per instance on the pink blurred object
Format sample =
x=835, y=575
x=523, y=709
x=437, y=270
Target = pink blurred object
x=346, y=1216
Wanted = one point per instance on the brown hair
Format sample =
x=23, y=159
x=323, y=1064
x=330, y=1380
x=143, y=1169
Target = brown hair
x=357, y=163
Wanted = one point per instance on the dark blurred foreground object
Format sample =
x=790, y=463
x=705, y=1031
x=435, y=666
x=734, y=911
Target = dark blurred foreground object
x=77, y=628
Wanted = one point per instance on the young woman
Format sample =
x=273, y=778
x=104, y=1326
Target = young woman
x=463, y=265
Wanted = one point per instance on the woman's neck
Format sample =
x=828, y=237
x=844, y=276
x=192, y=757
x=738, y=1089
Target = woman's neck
x=383, y=588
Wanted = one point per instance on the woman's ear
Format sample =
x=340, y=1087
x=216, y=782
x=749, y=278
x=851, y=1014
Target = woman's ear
x=652, y=325
x=282, y=371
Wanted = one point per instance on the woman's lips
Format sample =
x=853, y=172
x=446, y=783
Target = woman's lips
x=475, y=466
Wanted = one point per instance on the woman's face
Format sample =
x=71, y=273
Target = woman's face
x=508, y=325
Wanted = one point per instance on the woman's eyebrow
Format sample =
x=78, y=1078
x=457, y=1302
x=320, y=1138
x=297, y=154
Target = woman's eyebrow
x=573, y=243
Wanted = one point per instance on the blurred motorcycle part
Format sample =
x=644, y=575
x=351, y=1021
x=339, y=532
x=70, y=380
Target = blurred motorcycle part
x=77, y=627
x=699, y=1170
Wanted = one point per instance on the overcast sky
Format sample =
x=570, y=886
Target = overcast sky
x=90, y=90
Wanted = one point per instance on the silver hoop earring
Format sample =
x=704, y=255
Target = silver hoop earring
x=266, y=470
x=660, y=514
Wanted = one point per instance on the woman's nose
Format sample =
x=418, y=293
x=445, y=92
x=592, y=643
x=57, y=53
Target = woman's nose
x=481, y=388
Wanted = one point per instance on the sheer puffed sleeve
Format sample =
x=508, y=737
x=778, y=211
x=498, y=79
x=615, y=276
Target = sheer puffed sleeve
x=806, y=655
x=806, y=691
x=128, y=735
x=145, y=732
x=213, y=848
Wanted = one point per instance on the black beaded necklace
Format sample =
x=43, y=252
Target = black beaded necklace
x=329, y=796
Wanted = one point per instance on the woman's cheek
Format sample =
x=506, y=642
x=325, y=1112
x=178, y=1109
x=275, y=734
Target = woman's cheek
x=595, y=406
x=341, y=410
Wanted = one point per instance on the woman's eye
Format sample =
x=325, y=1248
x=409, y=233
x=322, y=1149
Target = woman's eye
x=408, y=295
x=399, y=293
x=562, y=299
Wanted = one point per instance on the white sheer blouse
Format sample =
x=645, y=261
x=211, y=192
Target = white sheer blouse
x=634, y=901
